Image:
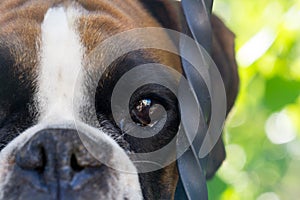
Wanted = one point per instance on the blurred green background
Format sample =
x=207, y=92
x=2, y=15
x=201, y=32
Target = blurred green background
x=262, y=135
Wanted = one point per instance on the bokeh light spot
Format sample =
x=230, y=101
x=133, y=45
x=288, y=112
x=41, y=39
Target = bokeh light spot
x=268, y=196
x=279, y=128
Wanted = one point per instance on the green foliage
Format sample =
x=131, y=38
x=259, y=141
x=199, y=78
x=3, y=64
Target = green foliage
x=262, y=135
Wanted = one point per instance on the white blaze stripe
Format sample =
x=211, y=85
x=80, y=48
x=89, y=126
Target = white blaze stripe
x=61, y=61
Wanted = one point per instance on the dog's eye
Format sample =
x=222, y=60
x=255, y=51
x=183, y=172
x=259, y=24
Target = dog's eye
x=145, y=112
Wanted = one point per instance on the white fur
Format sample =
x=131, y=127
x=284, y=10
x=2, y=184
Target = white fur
x=61, y=62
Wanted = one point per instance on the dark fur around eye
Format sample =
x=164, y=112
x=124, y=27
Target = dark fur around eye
x=157, y=93
x=16, y=95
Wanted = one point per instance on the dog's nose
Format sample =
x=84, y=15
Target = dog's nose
x=57, y=156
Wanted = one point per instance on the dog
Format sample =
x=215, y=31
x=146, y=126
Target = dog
x=43, y=47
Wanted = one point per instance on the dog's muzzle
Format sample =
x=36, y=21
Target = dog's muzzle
x=53, y=163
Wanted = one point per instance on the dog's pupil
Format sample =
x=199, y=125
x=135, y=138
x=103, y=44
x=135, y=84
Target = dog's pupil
x=141, y=112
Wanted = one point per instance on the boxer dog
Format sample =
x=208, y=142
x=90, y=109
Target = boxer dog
x=43, y=46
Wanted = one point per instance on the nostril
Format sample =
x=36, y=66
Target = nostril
x=41, y=168
x=32, y=159
x=75, y=165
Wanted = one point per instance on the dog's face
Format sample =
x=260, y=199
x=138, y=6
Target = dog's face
x=46, y=75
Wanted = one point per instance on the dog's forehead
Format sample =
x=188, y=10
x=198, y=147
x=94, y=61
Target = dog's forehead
x=96, y=20
x=20, y=22
x=50, y=42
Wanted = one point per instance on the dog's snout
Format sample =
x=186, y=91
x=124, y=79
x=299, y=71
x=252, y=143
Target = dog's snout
x=57, y=155
x=55, y=164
